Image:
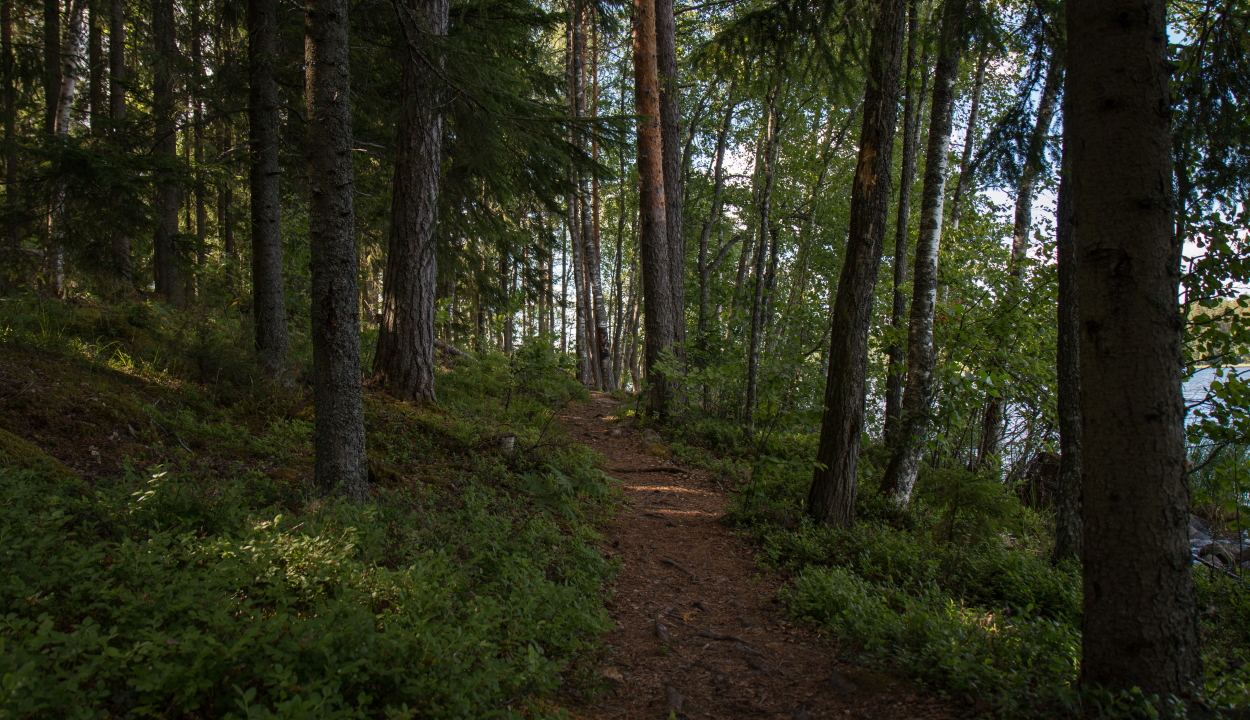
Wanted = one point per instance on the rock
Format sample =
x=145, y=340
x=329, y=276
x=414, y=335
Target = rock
x=659, y=450
x=1219, y=553
x=651, y=435
x=1041, y=481
x=839, y=684
x=1198, y=525
x=616, y=432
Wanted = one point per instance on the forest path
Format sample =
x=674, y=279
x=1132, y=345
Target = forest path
x=698, y=632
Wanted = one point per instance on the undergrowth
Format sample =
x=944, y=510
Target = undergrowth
x=200, y=575
x=957, y=591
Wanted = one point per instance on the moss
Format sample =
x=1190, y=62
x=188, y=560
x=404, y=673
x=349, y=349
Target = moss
x=27, y=456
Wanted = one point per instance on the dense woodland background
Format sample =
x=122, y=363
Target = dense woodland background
x=826, y=241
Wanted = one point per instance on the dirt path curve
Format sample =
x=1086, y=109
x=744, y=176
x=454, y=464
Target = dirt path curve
x=698, y=633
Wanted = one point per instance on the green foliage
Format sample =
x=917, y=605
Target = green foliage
x=122, y=601
x=221, y=585
x=972, y=508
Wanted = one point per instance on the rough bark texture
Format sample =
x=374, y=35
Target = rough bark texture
x=339, y=435
x=268, y=299
x=1140, y=625
x=170, y=282
x=670, y=124
x=652, y=218
x=759, y=299
x=907, y=174
x=404, y=362
x=1068, y=400
x=900, y=474
x=835, y=482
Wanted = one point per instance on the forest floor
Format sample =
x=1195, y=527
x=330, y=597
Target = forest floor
x=699, y=631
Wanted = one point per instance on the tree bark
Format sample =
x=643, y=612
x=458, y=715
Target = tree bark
x=120, y=242
x=911, y=139
x=759, y=299
x=98, y=111
x=1140, y=624
x=831, y=499
x=652, y=208
x=169, y=276
x=670, y=130
x=705, y=265
x=965, y=160
x=11, y=229
x=900, y=473
x=404, y=362
x=1068, y=371
x=51, y=62
x=268, y=298
x=339, y=434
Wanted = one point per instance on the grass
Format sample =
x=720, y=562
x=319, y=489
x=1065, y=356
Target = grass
x=178, y=563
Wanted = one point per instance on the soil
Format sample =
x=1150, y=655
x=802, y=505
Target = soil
x=699, y=631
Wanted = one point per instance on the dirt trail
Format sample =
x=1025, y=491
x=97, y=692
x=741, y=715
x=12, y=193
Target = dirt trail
x=698, y=633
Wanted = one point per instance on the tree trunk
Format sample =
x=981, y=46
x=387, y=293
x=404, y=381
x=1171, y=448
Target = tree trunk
x=117, y=61
x=404, y=361
x=900, y=474
x=759, y=299
x=965, y=161
x=670, y=132
x=339, y=434
x=1068, y=371
x=1140, y=624
x=225, y=199
x=98, y=111
x=268, y=299
x=197, y=142
x=911, y=139
x=75, y=42
x=832, y=496
x=11, y=229
x=652, y=217
x=51, y=63
x=1034, y=165
x=169, y=276
x=705, y=265
x=120, y=242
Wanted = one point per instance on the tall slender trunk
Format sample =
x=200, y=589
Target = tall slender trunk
x=71, y=71
x=120, y=241
x=404, y=361
x=169, y=275
x=98, y=110
x=11, y=228
x=900, y=473
x=906, y=176
x=1139, y=621
x=1034, y=165
x=51, y=63
x=705, y=265
x=339, y=434
x=117, y=61
x=197, y=141
x=585, y=360
x=670, y=131
x=1068, y=372
x=225, y=202
x=759, y=299
x=268, y=299
x=831, y=499
x=652, y=214
x=965, y=161
x=594, y=274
